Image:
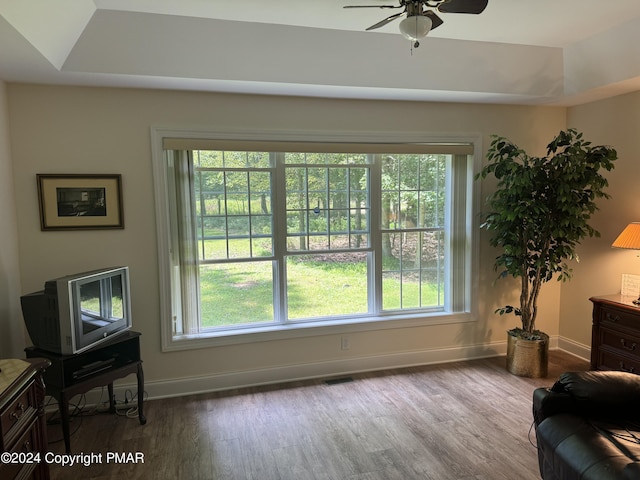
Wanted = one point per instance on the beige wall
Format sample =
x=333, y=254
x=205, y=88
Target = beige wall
x=93, y=130
x=615, y=122
x=11, y=331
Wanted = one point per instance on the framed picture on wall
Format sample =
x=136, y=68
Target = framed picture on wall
x=80, y=202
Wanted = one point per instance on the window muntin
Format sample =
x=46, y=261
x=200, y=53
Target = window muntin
x=232, y=197
x=232, y=205
x=327, y=208
x=328, y=232
x=424, y=270
x=413, y=231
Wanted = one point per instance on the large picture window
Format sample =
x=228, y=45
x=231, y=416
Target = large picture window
x=260, y=239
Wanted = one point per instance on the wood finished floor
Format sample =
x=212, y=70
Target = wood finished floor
x=456, y=421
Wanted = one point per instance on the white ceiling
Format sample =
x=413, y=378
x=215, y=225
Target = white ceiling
x=555, y=52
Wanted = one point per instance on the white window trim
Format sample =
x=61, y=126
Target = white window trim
x=304, y=329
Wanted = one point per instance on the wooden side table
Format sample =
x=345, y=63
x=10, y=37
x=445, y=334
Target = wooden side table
x=71, y=375
x=615, y=339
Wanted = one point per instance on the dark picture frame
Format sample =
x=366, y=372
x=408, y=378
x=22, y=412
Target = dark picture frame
x=80, y=202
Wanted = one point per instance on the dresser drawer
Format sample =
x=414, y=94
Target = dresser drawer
x=626, y=343
x=17, y=413
x=608, y=360
x=27, y=443
x=612, y=317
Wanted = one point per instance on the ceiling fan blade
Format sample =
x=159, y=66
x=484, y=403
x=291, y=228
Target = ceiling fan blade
x=372, y=6
x=436, y=21
x=385, y=21
x=463, y=6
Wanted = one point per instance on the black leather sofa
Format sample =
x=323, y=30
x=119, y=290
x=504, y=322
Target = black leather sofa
x=588, y=426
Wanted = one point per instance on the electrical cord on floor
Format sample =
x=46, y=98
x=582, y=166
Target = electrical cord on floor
x=101, y=406
x=531, y=429
x=130, y=409
x=80, y=410
x=56, y=419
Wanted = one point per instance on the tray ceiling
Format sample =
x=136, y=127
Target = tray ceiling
x=544, y=52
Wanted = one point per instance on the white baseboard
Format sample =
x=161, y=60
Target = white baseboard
x=331, y=368
x=574, y=348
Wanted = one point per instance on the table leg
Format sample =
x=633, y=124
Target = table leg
x=140, y=375
x=63, y=405
x=112, y=402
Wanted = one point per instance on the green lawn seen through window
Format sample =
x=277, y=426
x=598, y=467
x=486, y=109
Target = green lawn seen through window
x=242, y=293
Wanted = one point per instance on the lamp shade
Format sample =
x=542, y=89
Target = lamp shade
x=629, y=238
x=415, y=27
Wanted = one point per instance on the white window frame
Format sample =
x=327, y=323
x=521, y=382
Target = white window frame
x=466, y=264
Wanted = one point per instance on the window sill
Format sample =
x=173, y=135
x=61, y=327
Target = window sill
x=310, y=329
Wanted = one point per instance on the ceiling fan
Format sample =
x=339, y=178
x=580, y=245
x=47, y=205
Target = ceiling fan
x=421, y=15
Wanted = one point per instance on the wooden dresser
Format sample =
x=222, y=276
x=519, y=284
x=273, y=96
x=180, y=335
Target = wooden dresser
x=23, y=424
x=615, y=340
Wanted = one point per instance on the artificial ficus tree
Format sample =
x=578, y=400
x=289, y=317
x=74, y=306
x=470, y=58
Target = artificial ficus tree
x=539, y=212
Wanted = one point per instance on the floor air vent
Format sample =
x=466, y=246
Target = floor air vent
x=337, y=381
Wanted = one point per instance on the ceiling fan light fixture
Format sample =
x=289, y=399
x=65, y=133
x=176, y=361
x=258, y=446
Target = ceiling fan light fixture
x=415, y=27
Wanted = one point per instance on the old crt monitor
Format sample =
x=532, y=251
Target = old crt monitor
x=76, y=312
